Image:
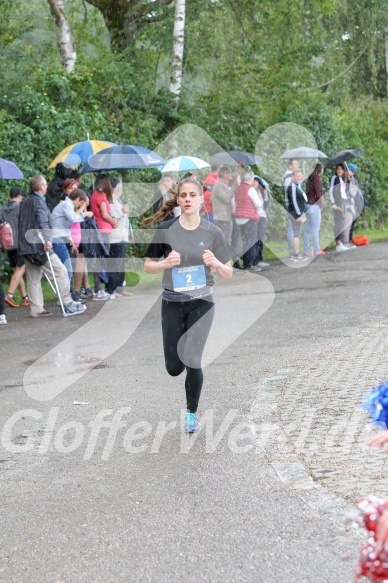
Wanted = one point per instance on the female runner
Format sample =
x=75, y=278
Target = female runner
x=191, y=248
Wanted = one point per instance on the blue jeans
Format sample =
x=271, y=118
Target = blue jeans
x=62, y=251
x=290, y=233
x=312, y=226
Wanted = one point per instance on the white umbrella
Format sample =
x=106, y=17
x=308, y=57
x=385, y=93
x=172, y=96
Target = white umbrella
x=181, y=163
x=303, y=152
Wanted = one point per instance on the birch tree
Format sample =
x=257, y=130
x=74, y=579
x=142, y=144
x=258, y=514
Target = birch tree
x=178, y=47
x=65, y=41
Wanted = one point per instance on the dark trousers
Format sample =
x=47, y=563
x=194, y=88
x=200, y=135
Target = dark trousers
x=186, y=327
x=262, y=228
x=101, y=275
x=2, y=295
x=116, y=266
x=249, y=238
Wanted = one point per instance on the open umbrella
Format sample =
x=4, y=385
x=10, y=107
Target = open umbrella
x=80, y=152
x=343, y=156
x=9, y=171
x=123, y=158
x=181, y=163
x=235, y=158
x=303, y=153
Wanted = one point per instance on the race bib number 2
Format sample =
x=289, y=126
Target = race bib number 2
x=188, y=278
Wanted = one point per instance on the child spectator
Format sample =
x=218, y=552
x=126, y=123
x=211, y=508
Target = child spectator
x=11, y=215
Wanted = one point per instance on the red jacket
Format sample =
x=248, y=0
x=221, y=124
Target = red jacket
x=245, y=209
x=208, y=184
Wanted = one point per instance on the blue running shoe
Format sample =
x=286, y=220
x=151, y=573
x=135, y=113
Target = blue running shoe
x=192, y=425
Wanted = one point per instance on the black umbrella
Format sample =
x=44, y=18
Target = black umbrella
x=235, y=158
x=123, y=158
x=344, y=156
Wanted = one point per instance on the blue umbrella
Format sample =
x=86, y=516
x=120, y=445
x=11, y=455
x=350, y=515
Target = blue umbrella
x=9, y=171
x=123, y=158
x=181, y=163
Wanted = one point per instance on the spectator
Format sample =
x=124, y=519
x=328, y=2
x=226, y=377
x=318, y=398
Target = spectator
x=118, y=239
x=314, y=192
x=11, y=215
x=81, y=275
x=208, y=184
x=54, y=190
x=67, y=187
x=165, y=192
x=100, y=207
x=262, y=191
x=247, y=218
x=71, y=210
x=3, y=319
x=338, y=198
x=293, y=164
x=296, y=201
x=351, y=212
x=221, y=200
x=236, y=235
x=34, y=215
x=359, y=199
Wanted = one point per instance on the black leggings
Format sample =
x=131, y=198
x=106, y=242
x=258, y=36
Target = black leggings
x=194, y=317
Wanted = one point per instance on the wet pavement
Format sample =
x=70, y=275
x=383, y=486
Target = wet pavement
x=292, y=353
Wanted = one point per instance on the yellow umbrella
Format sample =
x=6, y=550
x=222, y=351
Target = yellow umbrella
x=80, y=152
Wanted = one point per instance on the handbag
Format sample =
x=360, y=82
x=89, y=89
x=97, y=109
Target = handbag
x=6, y=236
x=36, y=258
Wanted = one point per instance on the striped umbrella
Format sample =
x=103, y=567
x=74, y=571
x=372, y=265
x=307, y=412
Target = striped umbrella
x=80, y=152
x=181, y=163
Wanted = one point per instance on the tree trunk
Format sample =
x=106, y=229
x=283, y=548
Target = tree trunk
x=64, y=38
x=386, y=54
x=123, y=18
x=178, y=48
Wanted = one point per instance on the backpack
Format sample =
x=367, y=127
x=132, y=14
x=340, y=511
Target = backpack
x=6, y=236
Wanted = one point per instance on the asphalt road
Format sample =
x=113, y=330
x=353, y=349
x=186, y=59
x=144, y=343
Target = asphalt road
x=127, y=503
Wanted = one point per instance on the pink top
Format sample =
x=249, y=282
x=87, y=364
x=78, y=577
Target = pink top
x=76, y=233
x=95, y=206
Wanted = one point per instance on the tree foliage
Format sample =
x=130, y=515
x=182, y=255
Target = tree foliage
x=246, y=66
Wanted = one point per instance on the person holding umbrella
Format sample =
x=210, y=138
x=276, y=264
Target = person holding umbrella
x=338, y=198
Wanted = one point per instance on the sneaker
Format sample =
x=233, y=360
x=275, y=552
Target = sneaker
x=3, y=319
x=26, y=301
x=350, y=246
x=74, y=308
x=262, y=264
x=307, y=253
x=101, y=296
x=299, y=258
x=76, y=296
x=42, y=314
x=192, y=425
x=320, y=252
x=86, y=294
x=10, y=301
x=341, y=247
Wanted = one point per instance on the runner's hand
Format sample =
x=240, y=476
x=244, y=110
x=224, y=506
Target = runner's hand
x=172, y=260
x=380, y=440
x=209, y=259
